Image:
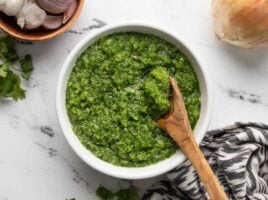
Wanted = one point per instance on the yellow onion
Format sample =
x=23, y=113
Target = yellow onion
x=243, y=23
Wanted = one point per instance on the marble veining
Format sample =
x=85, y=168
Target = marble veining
x=78, y=178
x=47, y=130
x=244, y=96
x=252, y=98
x=14, y=122
x=50, y=151
x=97, y=24
x=36, y=162
x=25, y=42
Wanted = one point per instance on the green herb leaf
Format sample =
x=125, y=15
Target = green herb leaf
x=10, y=86
x=4, y=69
x=124, y=194
x=104, y=193
x=26, y=66
x=7, y=49
x=128, y=194
x=9, y=81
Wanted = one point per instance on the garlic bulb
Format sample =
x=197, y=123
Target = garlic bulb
x=31, y=16
x=243, y=23
x=54, y=6
x=11, y=7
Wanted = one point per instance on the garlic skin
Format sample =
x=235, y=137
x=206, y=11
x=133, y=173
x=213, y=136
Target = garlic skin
x=53, y=22
x=31, y=16
x=54, y=6
x=11, y=7
x=243, y=23
x=69, y=12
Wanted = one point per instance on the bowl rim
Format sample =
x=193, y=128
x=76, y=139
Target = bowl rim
x=86, y=155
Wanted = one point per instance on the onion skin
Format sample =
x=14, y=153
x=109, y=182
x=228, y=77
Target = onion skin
x=243, y=23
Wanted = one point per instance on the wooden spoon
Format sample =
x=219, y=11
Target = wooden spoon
x=177, y=125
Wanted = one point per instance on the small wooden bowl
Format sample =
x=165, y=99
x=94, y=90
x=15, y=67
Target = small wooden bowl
x=8, y=25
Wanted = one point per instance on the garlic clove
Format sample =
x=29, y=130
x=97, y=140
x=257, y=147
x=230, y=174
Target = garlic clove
x=53, y=22
x=69, y=12
x=54, y=6
x=31, y=16
x=11, y=7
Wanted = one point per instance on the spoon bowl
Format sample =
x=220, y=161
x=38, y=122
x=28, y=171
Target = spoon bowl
x=9, y=25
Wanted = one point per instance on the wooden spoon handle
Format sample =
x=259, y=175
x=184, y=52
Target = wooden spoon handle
x=178, y=127
x=204, y=171
x=181, y=133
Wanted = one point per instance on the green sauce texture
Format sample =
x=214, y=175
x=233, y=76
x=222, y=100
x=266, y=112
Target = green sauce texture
x=119, y=87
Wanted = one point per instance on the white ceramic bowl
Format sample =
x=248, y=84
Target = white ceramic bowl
x=126, y=172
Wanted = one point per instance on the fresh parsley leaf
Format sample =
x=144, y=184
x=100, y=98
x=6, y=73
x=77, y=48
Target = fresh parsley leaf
x=124, y=194
x=4, y=69
x=127, y=194
x=9, y=81
x=104, y=193
x=7, y=49
x=10, y=86
x=26, y=65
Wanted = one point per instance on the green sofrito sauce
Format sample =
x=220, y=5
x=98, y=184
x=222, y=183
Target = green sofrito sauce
x=119, y=87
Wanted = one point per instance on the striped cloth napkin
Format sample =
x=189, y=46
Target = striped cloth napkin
x=238, y=155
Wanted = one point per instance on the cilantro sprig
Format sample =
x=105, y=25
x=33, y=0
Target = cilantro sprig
x=10, y=82
x=26, y=65
x=124, y=194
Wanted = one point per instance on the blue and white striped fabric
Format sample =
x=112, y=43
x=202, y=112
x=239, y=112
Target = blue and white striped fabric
x=237, y=154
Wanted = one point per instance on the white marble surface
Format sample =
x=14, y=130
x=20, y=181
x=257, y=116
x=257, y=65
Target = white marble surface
x=35, y=159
